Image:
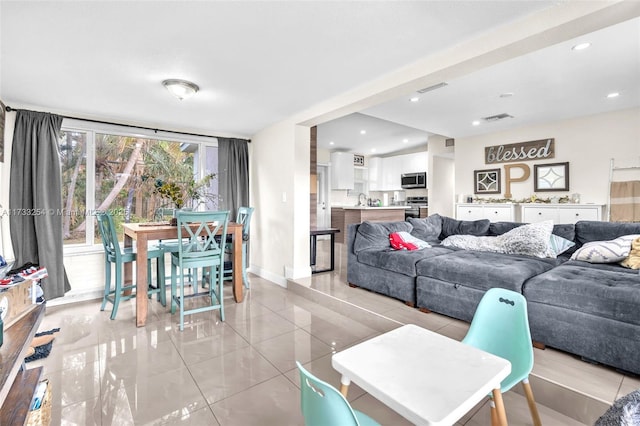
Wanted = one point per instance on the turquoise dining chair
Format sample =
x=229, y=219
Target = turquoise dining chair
x=500, y=326
x=114, y=255
x=243, y=217
x=198, y=247
x=165, y=214
x=322, y=404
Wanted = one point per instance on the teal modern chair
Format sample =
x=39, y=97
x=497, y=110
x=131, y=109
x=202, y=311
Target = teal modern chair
x=501, y=326
x=165, y=214
x=323, y=405
x=114, y=255
x=243, y=217
x=198, y=247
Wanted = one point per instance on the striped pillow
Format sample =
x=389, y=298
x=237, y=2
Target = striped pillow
x=605, y=251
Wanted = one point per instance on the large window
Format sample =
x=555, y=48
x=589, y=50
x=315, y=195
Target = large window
x=132, y=175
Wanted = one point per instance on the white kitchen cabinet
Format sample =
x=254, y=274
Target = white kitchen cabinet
x=414, y=163
x=561, y=213
x=391, y=171
x=493, y=212
x=361, y=179
x=375, y=173
x=342, y=170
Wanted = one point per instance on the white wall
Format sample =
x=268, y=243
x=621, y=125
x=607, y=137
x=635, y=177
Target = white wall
x=280, y=194
x=587, y=143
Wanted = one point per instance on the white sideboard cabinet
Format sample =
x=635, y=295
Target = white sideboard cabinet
x=494, y=212
x=561, y=213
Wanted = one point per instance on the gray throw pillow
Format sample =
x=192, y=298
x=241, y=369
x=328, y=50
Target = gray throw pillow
x=452, y=226
x=530, y=240
x=428, y=228
x=624, y=411
x=376, y=234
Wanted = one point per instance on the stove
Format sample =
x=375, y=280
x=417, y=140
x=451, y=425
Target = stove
x=414, y=204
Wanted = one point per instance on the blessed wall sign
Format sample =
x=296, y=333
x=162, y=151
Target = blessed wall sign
x=521, y=151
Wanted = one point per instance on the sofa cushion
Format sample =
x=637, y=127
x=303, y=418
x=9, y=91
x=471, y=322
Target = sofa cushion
x=452, y=226
x=375, y=235
x=587, y=231
x=611, y=251
x=564, y=230
x=603, y=290
x=428, y=228
x=484, y=270
x=400, y=261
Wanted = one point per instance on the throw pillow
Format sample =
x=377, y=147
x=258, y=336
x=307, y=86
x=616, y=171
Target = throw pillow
x=559, y=245
x=633, y=260
x=605, y=251
x=452, y=226
x=529, y=240
x=405, y=241
x=428, y=228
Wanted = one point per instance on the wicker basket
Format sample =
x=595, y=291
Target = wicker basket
x=42, y=416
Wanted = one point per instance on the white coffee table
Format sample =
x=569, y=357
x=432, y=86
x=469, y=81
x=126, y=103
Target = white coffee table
x=427, y=378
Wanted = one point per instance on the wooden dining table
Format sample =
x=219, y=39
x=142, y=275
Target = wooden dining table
x=142, y=233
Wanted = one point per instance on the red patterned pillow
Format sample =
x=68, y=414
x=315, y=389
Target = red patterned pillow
x=406, y=241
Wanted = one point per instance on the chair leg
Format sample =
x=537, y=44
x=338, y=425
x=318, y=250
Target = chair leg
x=535, y=416
x=497, y=408
x=494, y=413
x=118, y=291
x=245, y=279
x=182, y=299
x=107, y=283
x=173, y=288
x=160, y=278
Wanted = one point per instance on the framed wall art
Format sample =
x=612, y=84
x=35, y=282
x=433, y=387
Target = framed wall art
x=486, y=181
x=551, y=177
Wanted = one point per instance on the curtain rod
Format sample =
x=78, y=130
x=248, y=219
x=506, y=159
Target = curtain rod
x=9, y=109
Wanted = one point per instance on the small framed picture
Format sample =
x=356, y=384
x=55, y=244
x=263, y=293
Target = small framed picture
x=486, y=181
x=551, y=177
x=358, y=160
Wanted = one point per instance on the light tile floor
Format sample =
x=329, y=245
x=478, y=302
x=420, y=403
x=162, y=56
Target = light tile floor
x=242, y=371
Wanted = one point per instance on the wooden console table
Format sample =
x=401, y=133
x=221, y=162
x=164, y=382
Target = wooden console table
x=17, y=384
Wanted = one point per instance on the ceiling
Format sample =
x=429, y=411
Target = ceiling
x=258, y=62
x=551, y=84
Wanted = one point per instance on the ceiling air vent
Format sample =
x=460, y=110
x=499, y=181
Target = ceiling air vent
x=434, y=87
x=449, y=142
x=497, y=117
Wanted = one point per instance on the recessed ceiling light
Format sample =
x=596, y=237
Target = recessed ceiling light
x=414, y=99
x=581, y=46
x=405, y=140
x=506, y=95
x=613, y=95
x=373, y=150
x=363, y=132
x=475, y=123
x=331, y=143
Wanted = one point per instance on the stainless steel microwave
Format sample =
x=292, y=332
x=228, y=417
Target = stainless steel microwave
x=414, y=180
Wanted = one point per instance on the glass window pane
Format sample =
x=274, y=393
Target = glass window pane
x=73, y=145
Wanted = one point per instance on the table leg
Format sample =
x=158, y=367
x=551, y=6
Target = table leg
x=237, y=264
x=333, y=240
x=499, y=407
x=344, y=385
x=314, y=243
x=142, y=303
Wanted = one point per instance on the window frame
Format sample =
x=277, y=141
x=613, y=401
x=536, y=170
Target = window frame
x=91, y=128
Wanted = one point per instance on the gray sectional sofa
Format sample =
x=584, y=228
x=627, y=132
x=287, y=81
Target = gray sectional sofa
x=588, y=309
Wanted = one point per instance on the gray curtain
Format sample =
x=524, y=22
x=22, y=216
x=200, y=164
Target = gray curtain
x=233, y=174
x=35, y=193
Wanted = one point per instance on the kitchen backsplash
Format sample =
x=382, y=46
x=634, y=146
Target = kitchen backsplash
x=350, y=198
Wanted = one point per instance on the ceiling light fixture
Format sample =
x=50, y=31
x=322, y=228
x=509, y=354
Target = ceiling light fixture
x=581, y=46
x=181, y=89
x=475, y=123
x=613, y=95
x=373, y=150
x=331, y=143
x=405, y=140
x=414, y=99
x=363, y=132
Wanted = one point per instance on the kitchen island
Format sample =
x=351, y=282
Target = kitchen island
x=342, y=217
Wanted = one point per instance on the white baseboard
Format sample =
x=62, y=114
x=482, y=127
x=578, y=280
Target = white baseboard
x=269, y=276
x=77, y=296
